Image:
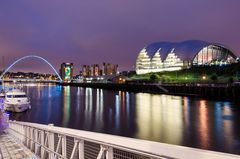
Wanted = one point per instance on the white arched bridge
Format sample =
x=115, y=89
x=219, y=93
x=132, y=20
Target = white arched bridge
x=27, y=57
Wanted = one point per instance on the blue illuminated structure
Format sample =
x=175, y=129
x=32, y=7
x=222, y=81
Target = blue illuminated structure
x=27, y=57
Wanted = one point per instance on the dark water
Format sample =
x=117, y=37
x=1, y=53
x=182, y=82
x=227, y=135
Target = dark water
x=193, y=122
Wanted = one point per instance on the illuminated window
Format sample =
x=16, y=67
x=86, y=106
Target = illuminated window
x=213, y=55
x=172, y=60
x=143, y=60
x=156, y=60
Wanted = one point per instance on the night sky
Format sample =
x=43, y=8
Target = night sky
x=88, y=31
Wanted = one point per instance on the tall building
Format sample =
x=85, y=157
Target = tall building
x=167, y=56
x=99, y=69
x=96, y=70
x=66, y=71
x=111, y=69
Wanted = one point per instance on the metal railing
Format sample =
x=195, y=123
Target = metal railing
x=48, y=141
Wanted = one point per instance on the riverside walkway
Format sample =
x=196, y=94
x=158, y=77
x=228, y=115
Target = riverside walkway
x=10, y=148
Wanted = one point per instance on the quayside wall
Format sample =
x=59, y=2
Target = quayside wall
x=223, y=91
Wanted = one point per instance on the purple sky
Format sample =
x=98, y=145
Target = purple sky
x=88, y=31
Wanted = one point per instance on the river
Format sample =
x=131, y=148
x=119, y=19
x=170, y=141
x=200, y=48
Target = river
x=193, y=122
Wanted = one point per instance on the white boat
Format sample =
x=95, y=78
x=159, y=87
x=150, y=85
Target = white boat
x=16, y=101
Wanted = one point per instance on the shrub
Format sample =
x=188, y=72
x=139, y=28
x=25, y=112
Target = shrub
x=214, y=77
x=230, y=80
x=154, y=77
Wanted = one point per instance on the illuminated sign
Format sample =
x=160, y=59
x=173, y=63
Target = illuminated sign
x=67, y=71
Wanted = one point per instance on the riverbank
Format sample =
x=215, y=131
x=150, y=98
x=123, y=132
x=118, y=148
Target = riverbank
x=224, y=91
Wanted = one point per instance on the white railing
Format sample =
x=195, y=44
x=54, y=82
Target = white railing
x=48, y=141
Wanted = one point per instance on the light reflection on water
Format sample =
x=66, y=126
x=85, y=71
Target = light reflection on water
x=193, y=122
x=158, y=117
x=67, y=104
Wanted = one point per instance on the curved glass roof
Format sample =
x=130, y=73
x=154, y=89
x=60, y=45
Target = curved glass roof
x=185, y=50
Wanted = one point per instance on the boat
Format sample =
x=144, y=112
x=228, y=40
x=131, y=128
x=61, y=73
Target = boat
x=16, y=100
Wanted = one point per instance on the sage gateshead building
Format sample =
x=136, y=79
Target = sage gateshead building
x=168, y=56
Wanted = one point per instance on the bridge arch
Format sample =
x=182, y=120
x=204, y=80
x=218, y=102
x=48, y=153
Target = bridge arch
x=30, y=56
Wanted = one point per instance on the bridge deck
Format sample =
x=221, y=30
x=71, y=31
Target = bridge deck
x=10, y=148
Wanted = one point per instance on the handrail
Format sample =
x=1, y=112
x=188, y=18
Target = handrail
x=145, y=148
x=38, y=143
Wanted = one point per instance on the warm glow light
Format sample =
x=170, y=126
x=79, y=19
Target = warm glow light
x=204, y=77
x=157, y=117
x=203, y=124
x=145, y=64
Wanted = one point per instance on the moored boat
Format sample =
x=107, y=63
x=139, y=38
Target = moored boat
x=16, y=101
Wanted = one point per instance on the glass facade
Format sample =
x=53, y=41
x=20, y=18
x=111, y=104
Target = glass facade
x=145, y=64
x=156, y=61
x=174, y=60
x=143, y=60
x=213, y=55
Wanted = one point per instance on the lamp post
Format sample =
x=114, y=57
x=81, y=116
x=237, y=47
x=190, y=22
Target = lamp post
x=204, y=77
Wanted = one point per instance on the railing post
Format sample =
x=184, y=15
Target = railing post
x=32, y=139
x=42, y=142
x=81, y=149
x=64, y=147
x=51, y=141
x=36, y=140
x=27, y=136
x=22, y=132
x=109, y=153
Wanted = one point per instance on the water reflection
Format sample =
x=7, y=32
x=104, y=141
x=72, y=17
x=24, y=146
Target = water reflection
x=186, y=113
x=88, y=108
x=228, y=125
x=99, y=110
x=158, y=117
x=205, y=124
x=117, y=114
x=66, y=106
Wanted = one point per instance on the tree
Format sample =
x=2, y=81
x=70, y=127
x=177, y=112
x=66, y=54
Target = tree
x=154, y=77
x=230, y=80
x=214, y=77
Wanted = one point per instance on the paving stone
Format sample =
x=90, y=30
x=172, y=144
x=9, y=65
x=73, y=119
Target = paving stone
x=12, y=149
